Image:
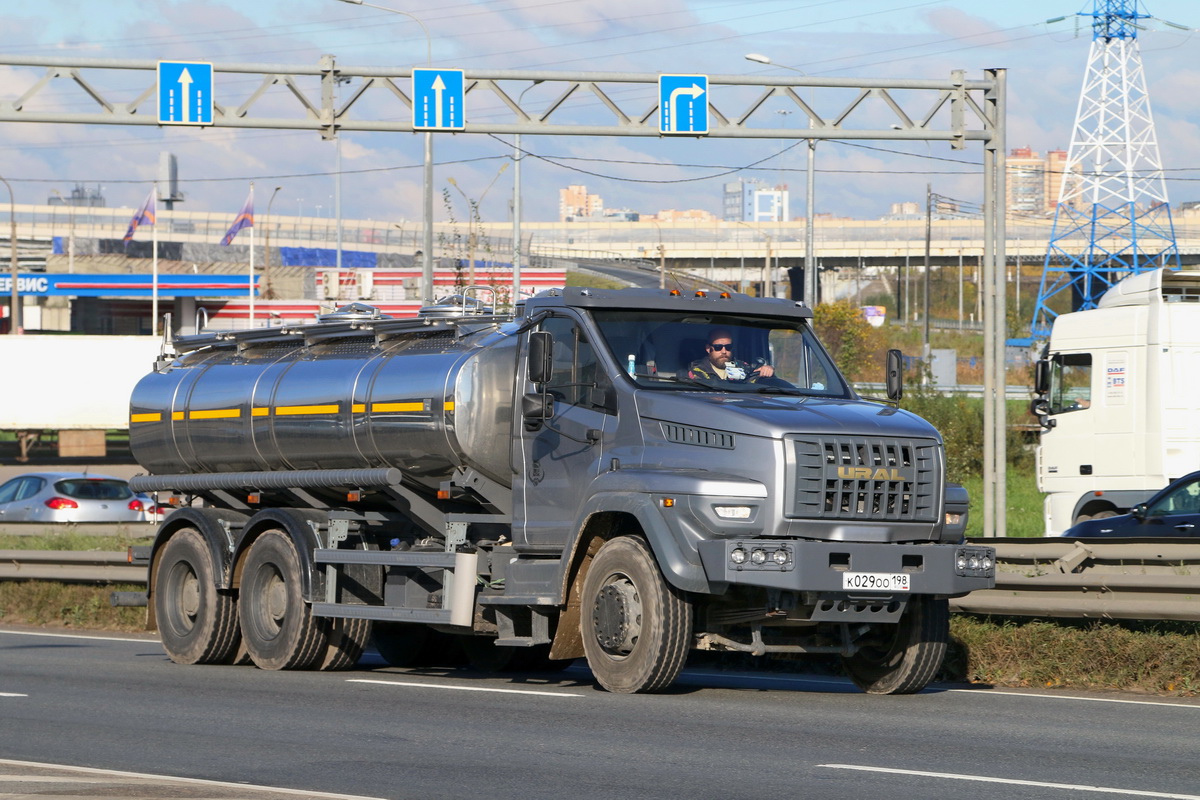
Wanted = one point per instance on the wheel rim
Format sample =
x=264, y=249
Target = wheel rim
x=271, y=608
x=617, y=616
x=185, y=597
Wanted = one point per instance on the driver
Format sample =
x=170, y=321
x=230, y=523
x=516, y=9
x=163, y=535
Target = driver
x=720, y=364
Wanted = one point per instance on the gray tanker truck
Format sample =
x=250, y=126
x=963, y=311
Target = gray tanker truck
x=544, y=486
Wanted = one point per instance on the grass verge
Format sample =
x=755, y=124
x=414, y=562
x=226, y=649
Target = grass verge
x=1152, y=657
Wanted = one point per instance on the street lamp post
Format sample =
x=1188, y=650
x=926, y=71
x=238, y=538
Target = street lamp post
x=14, y=307
x=810, y=261
x=427, y=254
x=269, y=289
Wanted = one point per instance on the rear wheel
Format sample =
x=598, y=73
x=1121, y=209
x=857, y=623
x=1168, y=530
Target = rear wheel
x=636, y=627
x=277, y=625
x=197, y=622
x=903, y=658
x=346, y=639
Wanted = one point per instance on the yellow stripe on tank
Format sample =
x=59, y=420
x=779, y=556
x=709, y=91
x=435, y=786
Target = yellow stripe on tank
x=358, y=408
x=292, y=411
x=381, y=408
x=260, y=412
x=215, y=413
x=177, y=415
x=154, y=417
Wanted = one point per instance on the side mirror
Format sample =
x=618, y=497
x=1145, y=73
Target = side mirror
x=895, y=375
x=536, y=409
x=1139, y=511
x=1041, y=376
x=541, y=354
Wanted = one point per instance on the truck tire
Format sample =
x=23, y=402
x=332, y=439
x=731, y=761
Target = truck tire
x=277, y=625
x=903, y=658
x=346, y=639
x=636, y=627
x=197, y=622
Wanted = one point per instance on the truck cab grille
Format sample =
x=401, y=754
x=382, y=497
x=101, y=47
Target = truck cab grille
x=863, y=478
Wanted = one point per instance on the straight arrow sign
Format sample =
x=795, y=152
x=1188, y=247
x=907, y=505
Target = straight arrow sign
x=185, y=93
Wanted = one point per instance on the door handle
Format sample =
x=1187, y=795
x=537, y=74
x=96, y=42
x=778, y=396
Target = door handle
x=1184, y=526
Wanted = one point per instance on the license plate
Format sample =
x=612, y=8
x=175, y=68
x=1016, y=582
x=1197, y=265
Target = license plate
x=876, y=581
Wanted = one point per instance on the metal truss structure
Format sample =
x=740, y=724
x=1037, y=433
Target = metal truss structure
x=954, y=110
x=1113, y=218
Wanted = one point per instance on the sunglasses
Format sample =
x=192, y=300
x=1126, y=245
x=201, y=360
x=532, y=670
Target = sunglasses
x=721, y=346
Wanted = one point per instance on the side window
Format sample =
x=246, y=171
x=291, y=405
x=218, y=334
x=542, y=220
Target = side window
x=1070, y=382
x=8, y=492
x=575, y=367
x=31, y=487
x=1184, y=500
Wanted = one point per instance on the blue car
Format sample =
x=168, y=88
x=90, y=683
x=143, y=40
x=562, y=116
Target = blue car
x=1174, y=511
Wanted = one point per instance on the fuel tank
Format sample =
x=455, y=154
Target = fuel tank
x=423, y=400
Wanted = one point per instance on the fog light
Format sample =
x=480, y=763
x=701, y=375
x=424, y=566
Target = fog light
x=961, y=563
x=953, y=519
x=986, y=563
x=738, y=556
x=973, y=563
x=758, y=557
x=780, y=557
x=732, y=512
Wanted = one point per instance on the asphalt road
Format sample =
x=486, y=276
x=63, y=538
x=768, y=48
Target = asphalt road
x=119, y=704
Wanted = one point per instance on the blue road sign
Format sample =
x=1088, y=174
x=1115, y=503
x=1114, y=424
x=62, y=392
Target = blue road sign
x=185, y=93
x=683, y=104
x=438, y=99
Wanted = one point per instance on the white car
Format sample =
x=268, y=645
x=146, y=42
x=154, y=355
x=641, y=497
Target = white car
x=73, y=497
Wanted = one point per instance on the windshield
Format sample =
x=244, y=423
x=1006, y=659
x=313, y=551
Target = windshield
x=680, y=351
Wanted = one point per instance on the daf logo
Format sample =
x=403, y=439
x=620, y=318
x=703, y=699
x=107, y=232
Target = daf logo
x=868, y=474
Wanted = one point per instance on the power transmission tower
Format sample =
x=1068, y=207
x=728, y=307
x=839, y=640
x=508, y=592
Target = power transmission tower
x=1113, y=219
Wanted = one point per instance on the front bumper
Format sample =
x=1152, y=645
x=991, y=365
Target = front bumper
x=949, y=570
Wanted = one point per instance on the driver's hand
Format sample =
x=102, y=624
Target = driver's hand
x=765, y=371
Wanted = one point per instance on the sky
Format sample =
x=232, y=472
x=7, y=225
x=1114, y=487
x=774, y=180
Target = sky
x=382, y=175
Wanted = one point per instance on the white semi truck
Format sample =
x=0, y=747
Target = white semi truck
x=1118, y=396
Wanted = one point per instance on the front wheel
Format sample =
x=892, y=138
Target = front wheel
x=636, y=627
x=903, y=658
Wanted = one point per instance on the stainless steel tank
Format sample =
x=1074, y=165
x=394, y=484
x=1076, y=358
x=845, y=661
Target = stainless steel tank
x=425, y=401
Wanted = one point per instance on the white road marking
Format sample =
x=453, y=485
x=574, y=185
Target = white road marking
x=173, y=779
x=462, y=688
x=12, y=694
x=1077, y=697
x=1073, y=787
x=78, y=636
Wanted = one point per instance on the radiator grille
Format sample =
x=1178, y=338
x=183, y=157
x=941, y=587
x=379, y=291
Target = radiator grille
x=862, y=478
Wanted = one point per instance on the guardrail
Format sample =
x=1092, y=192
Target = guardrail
x=72, y=566
x=1152, y=579
x=1100, y=579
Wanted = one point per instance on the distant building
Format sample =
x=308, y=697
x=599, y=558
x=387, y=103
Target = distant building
x=80, y=196
x=1032, y=182
x=754, y=201
x=574, y=202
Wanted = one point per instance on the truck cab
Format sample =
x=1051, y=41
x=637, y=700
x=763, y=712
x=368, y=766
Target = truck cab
x=1115, y=398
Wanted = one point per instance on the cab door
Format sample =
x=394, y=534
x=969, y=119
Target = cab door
x=561, y=455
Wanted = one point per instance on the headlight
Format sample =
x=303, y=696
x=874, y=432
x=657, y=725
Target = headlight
x=758, y=557
x=738, y=556
x=780, y=557
x=732, y=512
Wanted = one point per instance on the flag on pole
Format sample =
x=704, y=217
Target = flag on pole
x=144, y=216
x=245, y=219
